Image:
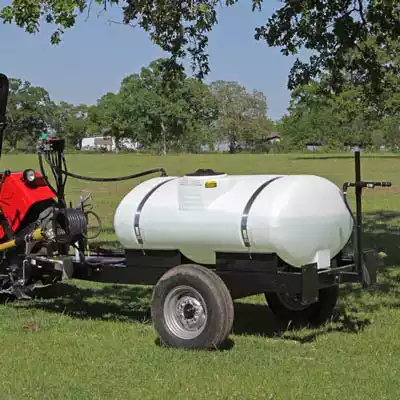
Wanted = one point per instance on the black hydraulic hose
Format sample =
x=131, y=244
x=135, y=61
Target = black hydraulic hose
x=359, y=185
x=73, y=221
x=44, y=174
x=55, y=166
x=115, y=179
x=100, y=228
x=346, y=202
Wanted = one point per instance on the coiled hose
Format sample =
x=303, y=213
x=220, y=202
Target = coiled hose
x=68, y=224
x=100, y=227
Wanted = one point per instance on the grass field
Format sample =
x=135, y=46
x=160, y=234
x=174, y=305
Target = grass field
x=97, y=342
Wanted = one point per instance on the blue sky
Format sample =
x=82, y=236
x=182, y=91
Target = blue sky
x=96, y=55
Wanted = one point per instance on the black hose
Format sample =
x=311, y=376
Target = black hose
x=116, y=179
x=99, y=222
x=75, y=221
x=44, y=174
x=346, y=202
x=55, y=166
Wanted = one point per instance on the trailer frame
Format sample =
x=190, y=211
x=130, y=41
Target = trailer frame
x=290, y=292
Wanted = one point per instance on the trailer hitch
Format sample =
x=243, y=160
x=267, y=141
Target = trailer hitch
x=366, y=275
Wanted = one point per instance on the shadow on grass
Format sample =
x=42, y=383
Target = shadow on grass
x=382, y=233
x=257, y=319
x=121, y=303
x=99, y=243
x=110, y=303
x=131, y=303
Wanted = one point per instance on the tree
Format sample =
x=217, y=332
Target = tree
x=158, y=113
x=355, y=113
x=29, y=112
x=71, y=122
x=242, y=115
x=329, y=119
x=345, y=36
x=156, y=106
x=330, y=29
x=107, y=118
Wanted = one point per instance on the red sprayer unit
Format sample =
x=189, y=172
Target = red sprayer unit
x=20, y=194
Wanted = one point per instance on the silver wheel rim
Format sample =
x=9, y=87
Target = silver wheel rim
x=291, y=302
x=185, y=312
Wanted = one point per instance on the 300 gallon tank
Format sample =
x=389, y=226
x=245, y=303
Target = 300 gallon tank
x=301, y=218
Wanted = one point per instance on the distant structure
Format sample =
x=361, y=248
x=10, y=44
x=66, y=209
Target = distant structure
x=274, y=137
x=107, y=143
x=223, y=146
x=313, y=146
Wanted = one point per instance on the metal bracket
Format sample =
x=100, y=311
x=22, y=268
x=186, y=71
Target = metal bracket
x=370, y=266
x=310, y=283
x=136, y=223
x=245, y=213
x=366, y=276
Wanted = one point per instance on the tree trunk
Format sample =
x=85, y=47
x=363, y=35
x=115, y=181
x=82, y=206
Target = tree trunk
x=115, y=134
x=164, y=139
x=12, y=141
x=232, y=143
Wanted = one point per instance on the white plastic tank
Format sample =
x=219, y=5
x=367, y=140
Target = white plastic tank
x=301, y=218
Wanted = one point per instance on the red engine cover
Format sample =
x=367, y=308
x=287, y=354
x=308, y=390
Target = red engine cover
x=17, y=197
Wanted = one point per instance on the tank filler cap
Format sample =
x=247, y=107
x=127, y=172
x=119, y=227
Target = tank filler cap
x=205, y=172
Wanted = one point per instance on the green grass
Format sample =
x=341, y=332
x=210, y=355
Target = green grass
x=96, y=341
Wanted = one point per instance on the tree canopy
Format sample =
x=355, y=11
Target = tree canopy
x=183, y=114
x=346, y=37
x=29, y=110
x=180, y=114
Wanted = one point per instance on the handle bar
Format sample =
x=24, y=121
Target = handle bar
x=365, y=184
x=370, y=185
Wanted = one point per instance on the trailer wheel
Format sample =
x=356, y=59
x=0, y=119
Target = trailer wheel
x=290, y=309
x=192, y=308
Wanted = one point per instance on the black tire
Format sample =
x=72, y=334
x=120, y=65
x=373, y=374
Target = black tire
x=206, y=293
x=314, y=314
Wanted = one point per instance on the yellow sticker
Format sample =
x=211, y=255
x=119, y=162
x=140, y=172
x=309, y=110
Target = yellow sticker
x=210, y=184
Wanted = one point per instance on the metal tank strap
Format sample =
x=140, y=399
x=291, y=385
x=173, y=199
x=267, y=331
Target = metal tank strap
x=140, y=208
x=245, y=213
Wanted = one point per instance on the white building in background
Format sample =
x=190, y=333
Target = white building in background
x=107, y=143
x=224, y=146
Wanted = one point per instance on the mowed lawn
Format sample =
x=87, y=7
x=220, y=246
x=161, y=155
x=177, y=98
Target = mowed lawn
x=97, y=342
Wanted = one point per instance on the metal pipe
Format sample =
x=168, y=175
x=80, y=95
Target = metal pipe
x=35, y=235
x=358, y=228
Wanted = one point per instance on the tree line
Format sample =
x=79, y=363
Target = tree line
x=178, y=113
x=164, y=110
